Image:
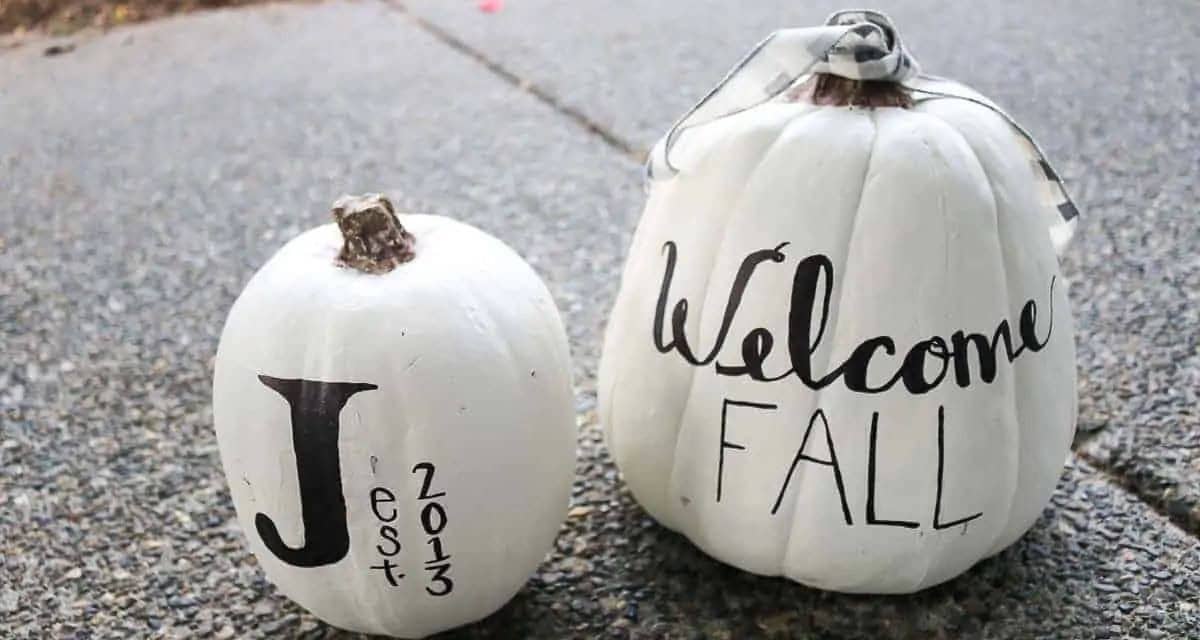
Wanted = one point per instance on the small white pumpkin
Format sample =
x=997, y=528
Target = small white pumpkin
x=806, y=370
x=396, y=421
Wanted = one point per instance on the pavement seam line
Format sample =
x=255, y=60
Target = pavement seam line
x=1129, y=486
x=610, y=138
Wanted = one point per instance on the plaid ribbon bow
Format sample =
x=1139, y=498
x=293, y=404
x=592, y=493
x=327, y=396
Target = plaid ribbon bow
x=857, y=44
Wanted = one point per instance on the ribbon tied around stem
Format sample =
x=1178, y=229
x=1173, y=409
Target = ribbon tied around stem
x=856, y=44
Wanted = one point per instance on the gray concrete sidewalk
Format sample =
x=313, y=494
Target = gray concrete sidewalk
x=145, y=176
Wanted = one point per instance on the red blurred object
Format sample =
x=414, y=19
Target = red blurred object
x=491, y=6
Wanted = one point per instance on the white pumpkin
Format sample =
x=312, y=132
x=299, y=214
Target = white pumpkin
x=397, y=430
x=799, y=372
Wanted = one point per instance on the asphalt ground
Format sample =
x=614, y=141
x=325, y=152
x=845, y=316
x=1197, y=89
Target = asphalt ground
x=145, y=175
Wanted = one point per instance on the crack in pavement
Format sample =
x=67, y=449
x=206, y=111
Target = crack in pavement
x=616, y=142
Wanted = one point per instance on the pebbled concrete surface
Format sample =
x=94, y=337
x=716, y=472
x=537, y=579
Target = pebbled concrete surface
x=1119, y=123
x=147, y=174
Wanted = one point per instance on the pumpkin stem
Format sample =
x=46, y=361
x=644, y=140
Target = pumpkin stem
x=374, y=240
x=836, y=91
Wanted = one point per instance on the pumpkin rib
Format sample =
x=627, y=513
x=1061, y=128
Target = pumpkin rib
x=931, y=555
x=671, y=486
x=833, y=316
x=402, y=485
x=641, y=256
x=368, y=611
x=989, y=181
x=923, y=551
x=326, y=323
x=1001, y=542
x=998, y=543
x=1012, y=400
x=925, y=545
x=1012, y=369
x=634, y=262
x=315, y=358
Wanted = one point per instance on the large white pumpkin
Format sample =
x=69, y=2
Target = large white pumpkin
x=399, y=444
x=806, y=371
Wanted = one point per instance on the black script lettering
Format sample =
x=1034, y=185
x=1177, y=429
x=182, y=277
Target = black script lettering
x=831, y=462
x=679, y=314
x=428, y=469
x=439, y=577
x=804, y=454
x=380, y=495
x=386, y=567
x=913, y=371
x=871, y=519
x=439, y=554
x=315, y=409
x=433, y=521
x=812, y=285
x=433, y=518
x=1028, y=322
x=801, y=343
x=726, y=444
x=987, y=353
x=389, y=534
x=941, y=472
x=756, y=346
x=855, y=367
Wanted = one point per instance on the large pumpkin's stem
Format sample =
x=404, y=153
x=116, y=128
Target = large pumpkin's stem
x=831, y=90
x=374, y=240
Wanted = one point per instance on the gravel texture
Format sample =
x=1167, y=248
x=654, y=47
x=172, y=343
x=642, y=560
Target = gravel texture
x=134, y=206
x=1119, y=121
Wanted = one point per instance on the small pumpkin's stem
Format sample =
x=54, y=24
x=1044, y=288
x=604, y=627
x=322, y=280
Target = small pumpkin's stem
x=373, y=239
x=836, y=91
